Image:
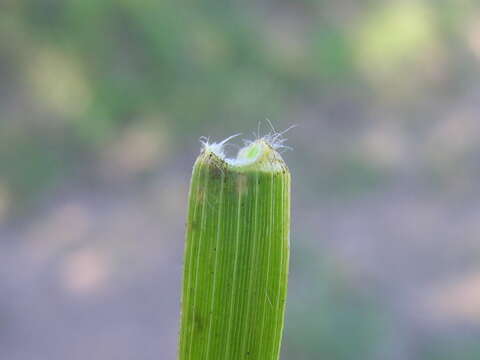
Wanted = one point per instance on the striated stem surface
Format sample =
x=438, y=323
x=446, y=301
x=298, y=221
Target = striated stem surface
x=236, y=256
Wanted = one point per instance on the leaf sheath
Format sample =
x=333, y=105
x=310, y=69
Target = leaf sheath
x=236, y=260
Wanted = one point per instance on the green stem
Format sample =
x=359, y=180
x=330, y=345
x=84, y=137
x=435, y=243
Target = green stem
x=236, y=256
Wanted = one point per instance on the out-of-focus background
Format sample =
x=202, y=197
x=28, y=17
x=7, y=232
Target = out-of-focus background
x=101, y=107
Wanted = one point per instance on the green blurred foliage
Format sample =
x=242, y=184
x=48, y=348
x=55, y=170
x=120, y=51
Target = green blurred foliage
x=82, y=71
x=86, y=70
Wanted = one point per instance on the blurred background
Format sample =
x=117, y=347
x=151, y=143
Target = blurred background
x=102, y=104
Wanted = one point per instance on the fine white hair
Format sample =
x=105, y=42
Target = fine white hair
x=274, y=139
